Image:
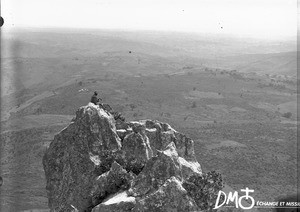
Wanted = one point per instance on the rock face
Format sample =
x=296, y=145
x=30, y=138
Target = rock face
x=77, y=156
x=170, y=196
x=92, y=165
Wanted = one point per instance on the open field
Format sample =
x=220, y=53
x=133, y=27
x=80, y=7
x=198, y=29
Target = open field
x=243, y=121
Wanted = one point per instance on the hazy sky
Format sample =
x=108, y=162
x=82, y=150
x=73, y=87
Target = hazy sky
x=254, y=18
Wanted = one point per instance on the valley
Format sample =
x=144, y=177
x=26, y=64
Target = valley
x=241, y=117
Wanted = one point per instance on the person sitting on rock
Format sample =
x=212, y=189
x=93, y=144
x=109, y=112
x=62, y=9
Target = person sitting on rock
x=95, y=99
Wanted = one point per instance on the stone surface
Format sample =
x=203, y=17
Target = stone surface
x=171, y=196
x=110, y=182
x=136, y=151
x=92, y=165
x=157, y=171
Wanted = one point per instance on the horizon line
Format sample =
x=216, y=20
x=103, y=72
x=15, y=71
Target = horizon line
x=214, y=34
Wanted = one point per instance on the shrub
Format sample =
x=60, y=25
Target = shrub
x=287, y=115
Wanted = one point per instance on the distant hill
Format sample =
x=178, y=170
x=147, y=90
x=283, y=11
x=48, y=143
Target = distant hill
x=51, y=55
x=284, y=63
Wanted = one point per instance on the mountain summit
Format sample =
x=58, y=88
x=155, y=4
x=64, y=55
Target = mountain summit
x=97, y=165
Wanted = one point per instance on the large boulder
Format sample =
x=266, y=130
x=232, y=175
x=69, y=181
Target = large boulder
x=139, y=166
x=77, y=156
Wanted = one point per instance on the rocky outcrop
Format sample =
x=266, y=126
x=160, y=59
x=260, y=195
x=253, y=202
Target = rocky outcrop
x=77, y=156
x=136, y=166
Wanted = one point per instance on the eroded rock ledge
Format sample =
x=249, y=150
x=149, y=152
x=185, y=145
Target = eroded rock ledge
x=92, y=165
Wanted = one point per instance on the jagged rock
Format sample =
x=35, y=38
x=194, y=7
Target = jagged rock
x=133, y=167
x=111, y=182
x=161, y=135
x=77, y=156
x=136, y=151
x=157, y=170
x=171, y=196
